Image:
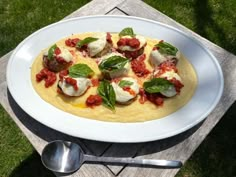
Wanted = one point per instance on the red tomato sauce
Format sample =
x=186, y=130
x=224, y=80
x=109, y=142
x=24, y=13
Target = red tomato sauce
x=94, y=100
x=72, y=42
x=132, y=42
x=138, y=66
x=155, y=98
x=72, y=82
x=48, y=76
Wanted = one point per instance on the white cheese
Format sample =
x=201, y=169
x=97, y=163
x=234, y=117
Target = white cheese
x=121, y=72
x=170, y=75
x=169, y=92
x=97, y=46
x=82, y=83
x=156, y=58
x=141, y=39
x=123, y=96
x=111, y=55
x=65, y=54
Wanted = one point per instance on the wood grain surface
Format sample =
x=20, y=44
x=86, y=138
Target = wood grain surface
x=179, y=147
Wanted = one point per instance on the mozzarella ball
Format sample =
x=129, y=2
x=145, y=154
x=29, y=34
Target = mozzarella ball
x=82, y=83
x=125, y=96
x=156, y=58
x=98, y=46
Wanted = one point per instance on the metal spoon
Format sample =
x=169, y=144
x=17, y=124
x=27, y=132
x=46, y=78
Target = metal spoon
x=67, y=157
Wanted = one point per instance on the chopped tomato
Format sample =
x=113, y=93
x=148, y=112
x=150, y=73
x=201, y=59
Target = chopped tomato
x=109, y=38
x=143, y=96
x=94, y=100
x=72, y=82
x=134, y=43
x=121, y=42
x=72, y=42
x=155, y=98
x=63, y=73
x=138, y=66
x=168, y=66
x=164, y=67
x=178, y=85
x=60, y=60
x=48, y=76
x=128, y=89
x=95, y=82
x=57, y=51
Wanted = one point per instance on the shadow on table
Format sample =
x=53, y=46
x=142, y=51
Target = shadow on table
x=216, y=156
x=31, y=167
x=94, y=147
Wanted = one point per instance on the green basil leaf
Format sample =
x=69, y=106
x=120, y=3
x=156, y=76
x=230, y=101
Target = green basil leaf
x=127, y=32
x=85, y=41
x=80, y=70
x=113, y=63
x=125, y=83
x=51, y=51
x=156, y=85
x=106, y=91
x=166, y=48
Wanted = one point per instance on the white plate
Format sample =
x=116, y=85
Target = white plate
x=207, y=95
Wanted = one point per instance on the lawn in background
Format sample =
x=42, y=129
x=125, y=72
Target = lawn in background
x=216, y=21
x=18, y=19
x=213, y=19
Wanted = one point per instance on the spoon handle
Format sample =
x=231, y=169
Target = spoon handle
x=148, y=162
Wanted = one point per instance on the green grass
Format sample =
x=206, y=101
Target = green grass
x=216, y=21
x=213, y=19
x=18, y=19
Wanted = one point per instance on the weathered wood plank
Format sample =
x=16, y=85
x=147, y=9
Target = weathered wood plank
x=3, y=63
x=122, y=150
x=97, y=148
x=116, y=11
x=96, y=7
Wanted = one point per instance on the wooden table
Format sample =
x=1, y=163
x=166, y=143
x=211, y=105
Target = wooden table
x=178, y=147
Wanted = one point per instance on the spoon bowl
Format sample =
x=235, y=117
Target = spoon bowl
x=62, y=156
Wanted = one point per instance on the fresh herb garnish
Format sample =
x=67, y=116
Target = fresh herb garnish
x=127, y=32
x=113, y=63
x=80, y=70
x=51, y=51
x=106, y=91
x=125, y=83
x=166, y=48
x=85, y=41
x=156, y=85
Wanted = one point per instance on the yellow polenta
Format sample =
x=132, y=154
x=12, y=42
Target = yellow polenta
x=134, y=112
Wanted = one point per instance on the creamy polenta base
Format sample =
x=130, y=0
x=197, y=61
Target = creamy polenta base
x=134, y=112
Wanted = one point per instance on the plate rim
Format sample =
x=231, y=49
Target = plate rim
x=173, y=133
